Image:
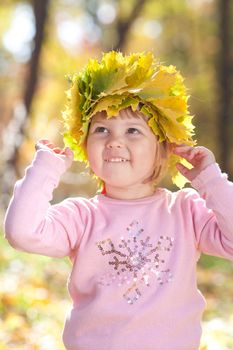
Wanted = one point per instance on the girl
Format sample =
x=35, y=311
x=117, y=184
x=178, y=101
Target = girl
x=135, y=246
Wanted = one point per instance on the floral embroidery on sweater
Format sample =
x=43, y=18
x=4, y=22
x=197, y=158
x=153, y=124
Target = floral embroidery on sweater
x=135, y=261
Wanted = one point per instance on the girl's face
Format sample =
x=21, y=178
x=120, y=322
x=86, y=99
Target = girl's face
x=122, y=151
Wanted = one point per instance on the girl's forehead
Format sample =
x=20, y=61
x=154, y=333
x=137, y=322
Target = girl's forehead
x=124, y=115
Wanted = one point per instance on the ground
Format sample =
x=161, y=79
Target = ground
x=34, y=301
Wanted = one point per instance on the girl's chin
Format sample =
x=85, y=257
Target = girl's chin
x=117, y=184
x=123, y=184
x=117, y=179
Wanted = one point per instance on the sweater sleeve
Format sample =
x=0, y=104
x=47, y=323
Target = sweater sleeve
x=213, y=212
x=32, y=224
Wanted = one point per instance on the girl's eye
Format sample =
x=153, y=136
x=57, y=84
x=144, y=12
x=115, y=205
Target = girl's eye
x=101, y=129
x=133, y=131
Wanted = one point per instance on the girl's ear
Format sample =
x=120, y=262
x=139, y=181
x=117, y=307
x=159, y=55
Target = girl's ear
x=170, y=147
x=85, y=143
x=166, y=149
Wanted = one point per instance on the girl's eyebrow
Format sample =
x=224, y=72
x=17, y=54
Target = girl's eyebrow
x=137, y=124
x=97, y=122
x=127, y=124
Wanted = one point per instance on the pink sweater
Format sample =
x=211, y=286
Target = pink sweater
x=133, y=281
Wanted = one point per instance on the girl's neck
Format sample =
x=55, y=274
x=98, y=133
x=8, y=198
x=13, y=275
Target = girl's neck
x=132, y=192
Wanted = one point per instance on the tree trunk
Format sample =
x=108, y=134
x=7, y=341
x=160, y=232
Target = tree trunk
x=225, y=72
x=40, y=9
x=15, y=131
x=123, y=27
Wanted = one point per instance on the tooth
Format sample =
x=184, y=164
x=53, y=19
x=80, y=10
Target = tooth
x=116, y=160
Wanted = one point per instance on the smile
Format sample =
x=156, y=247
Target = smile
x=116, y=160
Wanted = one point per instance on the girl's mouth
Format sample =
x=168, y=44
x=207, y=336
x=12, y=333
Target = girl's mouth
x=116, y=160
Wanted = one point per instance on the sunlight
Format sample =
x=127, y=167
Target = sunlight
x=18, y=38
x=73, y=32
x=106, y=13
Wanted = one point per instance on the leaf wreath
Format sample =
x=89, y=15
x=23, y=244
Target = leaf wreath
x=119, y=81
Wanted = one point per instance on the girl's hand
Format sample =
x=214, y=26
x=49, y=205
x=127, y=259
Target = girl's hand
x=65, y=154
x=199, y=157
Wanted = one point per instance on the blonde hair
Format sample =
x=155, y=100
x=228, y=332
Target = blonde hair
x=162, y=150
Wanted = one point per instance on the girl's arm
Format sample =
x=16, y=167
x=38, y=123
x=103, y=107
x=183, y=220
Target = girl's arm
x=32, y=224
x=212, y=210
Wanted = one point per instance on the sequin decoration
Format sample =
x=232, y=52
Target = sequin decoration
x=135, y=262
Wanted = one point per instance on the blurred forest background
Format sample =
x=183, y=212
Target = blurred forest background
x=41, y=42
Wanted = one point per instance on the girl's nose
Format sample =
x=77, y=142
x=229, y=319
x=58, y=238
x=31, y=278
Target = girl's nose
x=114, y=143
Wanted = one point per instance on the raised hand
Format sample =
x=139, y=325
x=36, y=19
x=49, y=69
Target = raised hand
x=199, y=157
x=65, y=154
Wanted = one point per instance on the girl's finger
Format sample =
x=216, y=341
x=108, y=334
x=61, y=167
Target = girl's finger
x=182, y=149
x=45, y=143
x=40, y=145
x=188, y=173
x=190, y=153
x=67, y=151
x=47, y=146
x=57, y=150
x=182, y=168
